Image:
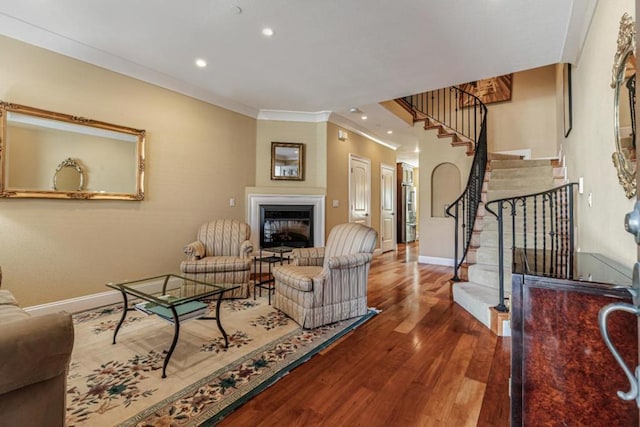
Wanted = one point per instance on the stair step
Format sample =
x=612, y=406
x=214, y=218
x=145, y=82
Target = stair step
x=526, y=185
x=508, y=193
x=476, y=299
x=502, y=156
x=510, y=164
x=514, y=173
x=487, y=275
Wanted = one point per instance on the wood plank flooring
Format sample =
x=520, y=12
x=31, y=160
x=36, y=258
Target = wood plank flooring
x=423, y=361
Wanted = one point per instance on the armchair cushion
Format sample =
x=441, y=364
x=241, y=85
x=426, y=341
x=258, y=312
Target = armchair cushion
x=297, y=277
x=216, y=264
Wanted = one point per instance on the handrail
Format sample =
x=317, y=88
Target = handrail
x=463, y=113
x=552, y=227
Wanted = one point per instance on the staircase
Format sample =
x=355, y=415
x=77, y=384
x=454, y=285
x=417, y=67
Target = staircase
x=504, y=178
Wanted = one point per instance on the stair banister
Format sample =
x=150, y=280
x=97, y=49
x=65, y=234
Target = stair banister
x=559, y=203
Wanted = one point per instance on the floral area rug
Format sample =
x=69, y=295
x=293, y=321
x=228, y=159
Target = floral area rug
x=120, y=384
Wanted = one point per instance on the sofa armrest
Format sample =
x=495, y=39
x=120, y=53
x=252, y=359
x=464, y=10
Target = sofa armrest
x=195, y=250
x=308, y=257
x=246, y=248
x=35, y=349
x=349, y=261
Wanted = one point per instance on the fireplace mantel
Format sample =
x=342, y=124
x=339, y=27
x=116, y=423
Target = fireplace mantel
x=253, y=212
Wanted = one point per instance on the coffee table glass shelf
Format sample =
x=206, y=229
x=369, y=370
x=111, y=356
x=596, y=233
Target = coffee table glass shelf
x=174, y=299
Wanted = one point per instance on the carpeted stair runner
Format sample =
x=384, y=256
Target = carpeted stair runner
x=506, y=178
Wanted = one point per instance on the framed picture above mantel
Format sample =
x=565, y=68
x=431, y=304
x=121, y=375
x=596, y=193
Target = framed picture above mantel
x=287, y=161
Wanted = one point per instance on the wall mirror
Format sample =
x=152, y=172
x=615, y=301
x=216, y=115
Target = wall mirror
x=287, y=161
x=101, y=160
x=69, y=176
x=623, y=82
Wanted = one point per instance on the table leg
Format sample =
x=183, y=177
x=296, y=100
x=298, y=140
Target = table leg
x=220, y=328
x=124, y=314
x=176, y=333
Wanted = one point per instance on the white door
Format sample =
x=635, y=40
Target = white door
x=387, y=208
x=359, y=190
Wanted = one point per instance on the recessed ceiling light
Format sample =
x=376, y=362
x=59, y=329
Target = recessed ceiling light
x=268, y=32
x=201, y=63
x=355, y=110
x=389, y=132
x=364, y=117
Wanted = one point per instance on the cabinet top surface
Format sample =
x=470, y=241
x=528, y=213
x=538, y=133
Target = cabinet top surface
x=577, y=266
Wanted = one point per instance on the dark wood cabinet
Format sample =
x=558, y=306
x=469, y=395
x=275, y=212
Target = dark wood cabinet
x=562, y=373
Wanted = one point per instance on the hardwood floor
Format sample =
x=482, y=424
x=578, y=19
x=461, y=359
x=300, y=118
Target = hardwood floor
x=423, y=361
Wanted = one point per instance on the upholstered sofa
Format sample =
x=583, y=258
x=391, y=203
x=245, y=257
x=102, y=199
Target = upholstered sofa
x=325, y=285
x=34, y=360
x=221, y=255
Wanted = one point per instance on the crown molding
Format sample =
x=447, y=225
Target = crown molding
x=294, y=116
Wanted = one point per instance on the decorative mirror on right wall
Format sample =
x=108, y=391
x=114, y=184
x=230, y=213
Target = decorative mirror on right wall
x=623, y=82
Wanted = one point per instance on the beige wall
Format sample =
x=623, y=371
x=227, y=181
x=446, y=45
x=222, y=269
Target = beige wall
x=338, y=174
x=436, y=233
x=591, y=141
x=529, y=120
x=312, y=135
x=196, y=161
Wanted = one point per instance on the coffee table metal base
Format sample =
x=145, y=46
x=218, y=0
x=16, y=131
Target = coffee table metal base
x=176, y=322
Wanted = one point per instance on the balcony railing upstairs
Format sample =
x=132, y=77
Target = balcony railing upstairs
x=465, y=115
x=541, y=224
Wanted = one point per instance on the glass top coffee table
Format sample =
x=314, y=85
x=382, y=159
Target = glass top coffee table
x=173, y=298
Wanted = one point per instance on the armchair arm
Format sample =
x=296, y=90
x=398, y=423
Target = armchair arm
x=195, y=250
x=34, y=349
x=246, y=248
x=349, y=261
x=308, y=257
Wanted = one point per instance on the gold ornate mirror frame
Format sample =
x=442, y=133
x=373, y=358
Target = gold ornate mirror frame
x=69, y=176
x=287, y=161
x=32, y=141
x=623, y=74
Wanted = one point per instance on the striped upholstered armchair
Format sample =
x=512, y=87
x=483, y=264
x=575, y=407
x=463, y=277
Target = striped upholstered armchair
x=221, y=255
x=325, y=285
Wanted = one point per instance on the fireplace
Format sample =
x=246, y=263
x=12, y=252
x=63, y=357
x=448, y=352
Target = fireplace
x=314, y=203
x=286, y=225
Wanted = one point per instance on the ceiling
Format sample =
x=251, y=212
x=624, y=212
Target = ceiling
x=324, y=56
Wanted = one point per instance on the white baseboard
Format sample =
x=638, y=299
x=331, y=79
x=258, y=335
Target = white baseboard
x=435, y=260
x=75, y=305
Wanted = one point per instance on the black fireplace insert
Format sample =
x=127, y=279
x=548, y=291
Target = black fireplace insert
x=286, y=225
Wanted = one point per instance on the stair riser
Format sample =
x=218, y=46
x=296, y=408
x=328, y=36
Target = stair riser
x=512, y=164
x=490, y=278
x=522, y=173
x=528, y=186
x=489, y=256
